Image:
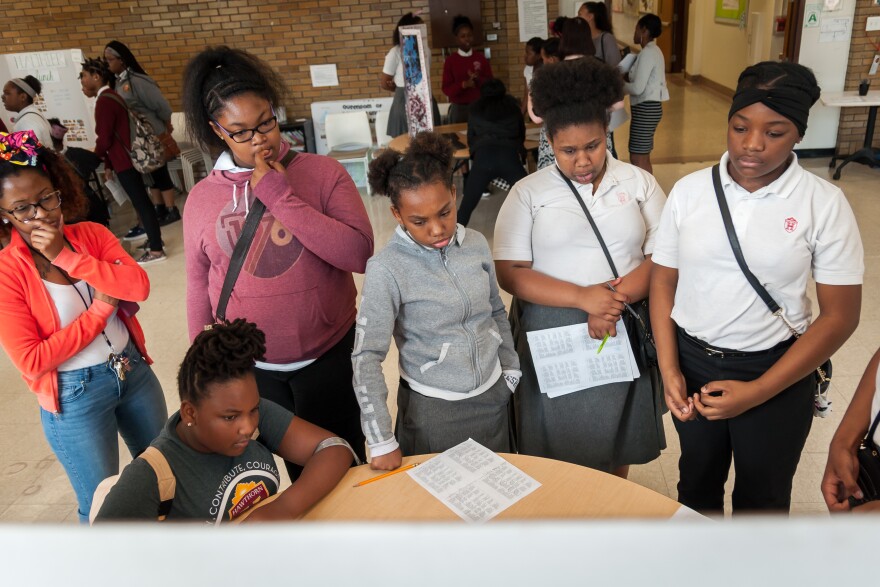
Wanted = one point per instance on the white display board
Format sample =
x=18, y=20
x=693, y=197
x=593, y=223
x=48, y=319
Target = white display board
x=61, y=97
x=320, y=110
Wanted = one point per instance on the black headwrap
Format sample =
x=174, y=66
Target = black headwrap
x=790, y=102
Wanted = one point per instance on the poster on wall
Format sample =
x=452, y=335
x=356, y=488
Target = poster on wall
x=631, y=7
x=731, y=12
x=416, y=76
x=532, y=19
x=646, y=6
x=61, y=96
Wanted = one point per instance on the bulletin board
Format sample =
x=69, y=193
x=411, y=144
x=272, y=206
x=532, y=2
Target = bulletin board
x=61, y=97
x=441, y=13
x=731, y=11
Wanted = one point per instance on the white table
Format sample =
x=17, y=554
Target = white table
x=867, y=155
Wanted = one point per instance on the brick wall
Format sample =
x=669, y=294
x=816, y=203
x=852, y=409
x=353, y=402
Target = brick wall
x=851, y=132
x=164, y=34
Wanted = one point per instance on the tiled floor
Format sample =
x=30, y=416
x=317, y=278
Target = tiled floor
x=33, y=486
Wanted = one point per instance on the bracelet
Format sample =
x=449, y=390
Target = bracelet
x=337, y=441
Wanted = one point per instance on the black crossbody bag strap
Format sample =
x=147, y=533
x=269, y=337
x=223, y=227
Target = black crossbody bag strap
x=734, y=244
x=873, y=429
x=239, y=253
x=591, y=221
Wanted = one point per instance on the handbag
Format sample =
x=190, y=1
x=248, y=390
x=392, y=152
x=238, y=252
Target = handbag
x=868, y=456
x=171, y=149
x=236, y=262
x=821, y=405
x=637, y=318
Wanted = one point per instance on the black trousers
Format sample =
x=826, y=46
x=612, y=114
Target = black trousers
x=765, y=442
x=487, y=165
x=133, y=184
x=321, y=394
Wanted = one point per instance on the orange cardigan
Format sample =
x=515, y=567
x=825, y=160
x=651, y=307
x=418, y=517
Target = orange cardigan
x=30, y=329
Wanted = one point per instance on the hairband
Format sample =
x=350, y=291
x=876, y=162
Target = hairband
x=113, y=52
x=25, y=87
x=19, y=148
x=792, y=103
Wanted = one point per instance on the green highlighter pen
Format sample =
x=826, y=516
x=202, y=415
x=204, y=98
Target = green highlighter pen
x=601, y=346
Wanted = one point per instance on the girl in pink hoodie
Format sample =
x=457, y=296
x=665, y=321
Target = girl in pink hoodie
x=296, y=282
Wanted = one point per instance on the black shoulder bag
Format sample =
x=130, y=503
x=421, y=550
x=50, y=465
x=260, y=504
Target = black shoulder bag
x=239, y=253
x=868, y=456
x=637, y=318
x=821, y=404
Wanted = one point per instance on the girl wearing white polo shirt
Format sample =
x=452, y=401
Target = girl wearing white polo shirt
x=736, y=379
x=547, y=255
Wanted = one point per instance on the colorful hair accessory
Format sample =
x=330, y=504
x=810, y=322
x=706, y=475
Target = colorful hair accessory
x=19, y=148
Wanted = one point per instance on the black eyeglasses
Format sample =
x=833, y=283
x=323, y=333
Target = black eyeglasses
x=243, y=136
x=27, y=212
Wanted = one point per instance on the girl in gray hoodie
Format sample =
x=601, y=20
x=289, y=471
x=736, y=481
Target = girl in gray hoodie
x=433, y=289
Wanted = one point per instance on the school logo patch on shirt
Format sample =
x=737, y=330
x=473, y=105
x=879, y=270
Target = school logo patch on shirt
x=246, y=495
x=790, y=224
x=622, y=197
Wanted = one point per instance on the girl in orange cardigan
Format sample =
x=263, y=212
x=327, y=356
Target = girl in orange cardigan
x=67, y=318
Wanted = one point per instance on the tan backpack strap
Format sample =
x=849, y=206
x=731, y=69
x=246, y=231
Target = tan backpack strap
x=164, y=476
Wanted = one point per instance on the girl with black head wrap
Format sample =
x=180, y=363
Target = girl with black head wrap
x=736, y=378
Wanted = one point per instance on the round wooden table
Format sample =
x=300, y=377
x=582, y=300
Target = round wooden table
x=401, y=143
x=567, y=491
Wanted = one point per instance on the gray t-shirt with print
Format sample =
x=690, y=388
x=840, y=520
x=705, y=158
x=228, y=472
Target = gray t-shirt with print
x=210, y=487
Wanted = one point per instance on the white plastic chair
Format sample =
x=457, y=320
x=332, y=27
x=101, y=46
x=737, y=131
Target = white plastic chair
x=382, y=136
x=190, y=154
x=349, y=138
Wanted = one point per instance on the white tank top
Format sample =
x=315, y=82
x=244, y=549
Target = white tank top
x=70, y=305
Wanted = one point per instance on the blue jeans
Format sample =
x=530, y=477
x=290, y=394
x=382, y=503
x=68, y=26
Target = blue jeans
x=95, y=407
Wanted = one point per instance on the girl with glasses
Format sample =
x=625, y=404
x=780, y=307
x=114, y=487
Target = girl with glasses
x=296, y=281
x=67, y=318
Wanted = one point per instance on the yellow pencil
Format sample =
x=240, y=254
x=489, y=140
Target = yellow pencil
x=388, y=474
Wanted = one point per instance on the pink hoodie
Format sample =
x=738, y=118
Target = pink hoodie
x=296, y=283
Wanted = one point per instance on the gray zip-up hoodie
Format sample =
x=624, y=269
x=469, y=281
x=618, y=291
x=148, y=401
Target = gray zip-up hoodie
x=447, y=318
x=143, y=96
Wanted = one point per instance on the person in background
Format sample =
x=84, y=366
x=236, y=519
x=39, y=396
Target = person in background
x=113, y=128
x=18, y=97
x=391, y=79
x=549, y=55
x=549, y=258
x=296, y=283
x=596, y=15
x=67, y=319
x=85, y=163
x=646, y=86
x=142, y=95
x=464, y=71
x=839, y=483
x=577, y=40
x=556, y=26
x=532, y=60
x=495, y=134
x=208, y=444
x=738, y=381
x=433, y=289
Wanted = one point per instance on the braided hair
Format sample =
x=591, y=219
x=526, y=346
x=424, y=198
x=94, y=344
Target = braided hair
x=128, y=58
x=428, y=160
x=222, y=353
x=578, y=91
x=99, y=66
x=215, y=76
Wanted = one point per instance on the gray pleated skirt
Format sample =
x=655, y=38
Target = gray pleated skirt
x=602, y=427
x=428, y=425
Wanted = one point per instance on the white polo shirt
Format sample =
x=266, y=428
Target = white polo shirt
x=393, y=66
x=542, y=222
x=797, y=224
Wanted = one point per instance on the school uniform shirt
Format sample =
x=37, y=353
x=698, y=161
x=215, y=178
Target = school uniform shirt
x=394, y=66
x=647, y=77
x=528, y=71
x=796, y=225
x=30, y=118
x=542, y=222
x=458, y=68
x=211, y=487
x=113, y=131
x=142, y=95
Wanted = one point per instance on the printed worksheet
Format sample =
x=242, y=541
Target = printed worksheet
x=473, y=481
x=567, y=360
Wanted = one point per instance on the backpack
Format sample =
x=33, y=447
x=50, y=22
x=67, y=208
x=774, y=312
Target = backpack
x=147, y=153
x=164, y=478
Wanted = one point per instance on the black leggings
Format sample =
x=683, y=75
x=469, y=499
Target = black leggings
x=133, y=185
x=764, y=442
x=321, y=394
x=487, y=165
